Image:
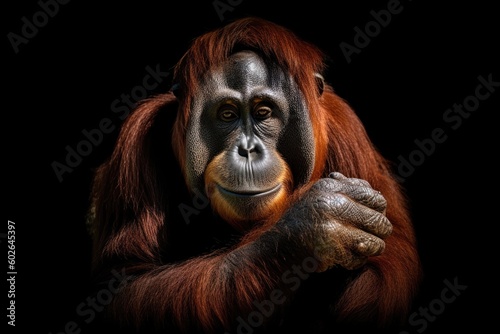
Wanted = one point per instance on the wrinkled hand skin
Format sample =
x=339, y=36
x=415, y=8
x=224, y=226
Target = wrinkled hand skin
x=341, y=221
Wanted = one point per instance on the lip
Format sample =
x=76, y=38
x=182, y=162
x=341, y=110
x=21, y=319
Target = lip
x=249, y=194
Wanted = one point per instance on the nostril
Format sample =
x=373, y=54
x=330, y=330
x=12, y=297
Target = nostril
x=243, y=152
x=249, y=148
x=248, y=152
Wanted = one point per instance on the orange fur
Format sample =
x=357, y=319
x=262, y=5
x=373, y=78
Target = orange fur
x=268, y=210
x=206, y=293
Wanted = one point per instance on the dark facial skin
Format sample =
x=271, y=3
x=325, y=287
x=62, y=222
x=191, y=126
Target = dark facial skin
x=248, y=136
x=282, y=170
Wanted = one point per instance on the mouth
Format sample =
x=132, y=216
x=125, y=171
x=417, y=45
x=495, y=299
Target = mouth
x=249, y=193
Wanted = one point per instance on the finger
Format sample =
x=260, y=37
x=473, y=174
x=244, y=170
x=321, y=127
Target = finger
x=339, y=248
x=350, y=247
x=367, y=196
x=358, y=215
x=352, y=180
x=360, y=191
x=353, y=239
x=368, y=245
x=337, y=176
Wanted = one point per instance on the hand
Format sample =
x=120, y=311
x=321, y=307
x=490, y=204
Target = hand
x=342, y=220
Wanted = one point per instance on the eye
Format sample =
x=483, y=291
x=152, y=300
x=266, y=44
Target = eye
x=227, y=113
x=262, y=111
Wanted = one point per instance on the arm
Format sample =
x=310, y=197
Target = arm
x=325, y=227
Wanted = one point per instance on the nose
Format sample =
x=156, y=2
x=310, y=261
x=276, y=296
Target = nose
x=249, y=147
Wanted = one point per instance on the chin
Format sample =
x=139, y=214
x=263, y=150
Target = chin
x=244, y=208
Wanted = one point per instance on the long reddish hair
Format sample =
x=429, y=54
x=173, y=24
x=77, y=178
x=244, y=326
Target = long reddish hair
x=129, y=196
x=275, y=43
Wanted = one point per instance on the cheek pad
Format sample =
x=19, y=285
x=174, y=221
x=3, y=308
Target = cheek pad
x=297, y=144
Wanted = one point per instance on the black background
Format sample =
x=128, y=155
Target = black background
x=428, y=58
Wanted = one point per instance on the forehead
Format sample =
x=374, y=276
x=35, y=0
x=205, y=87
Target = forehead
x=246, y=70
